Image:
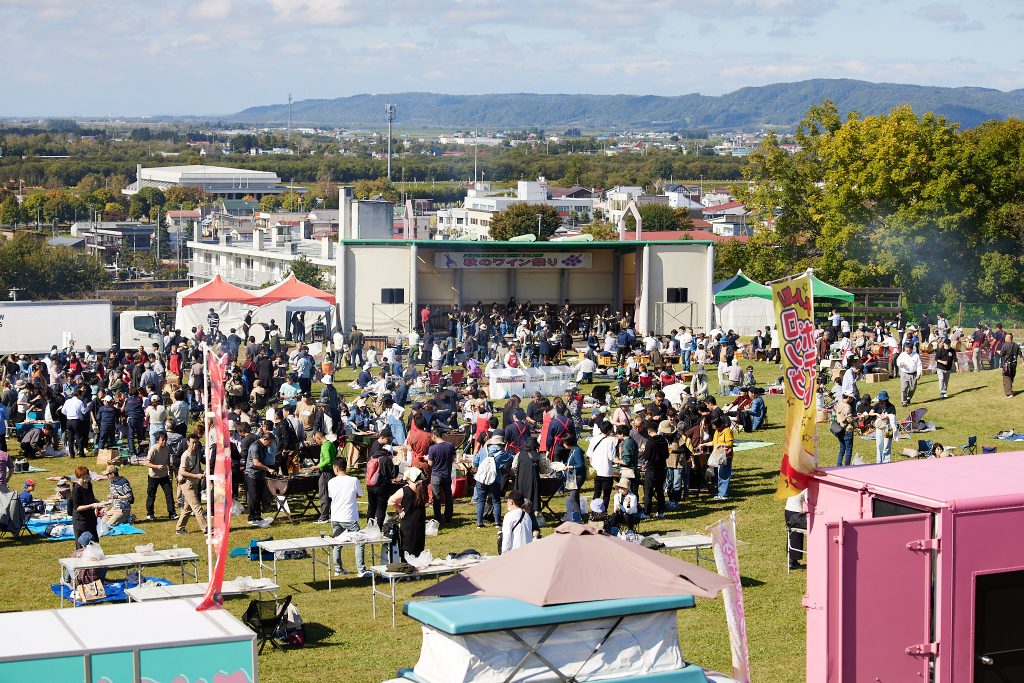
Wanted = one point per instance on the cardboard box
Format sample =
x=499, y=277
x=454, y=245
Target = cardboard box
x=821, y=417
x=876, y=377
x=105, y=455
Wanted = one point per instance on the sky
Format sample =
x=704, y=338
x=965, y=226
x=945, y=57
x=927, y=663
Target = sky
x=209, y=57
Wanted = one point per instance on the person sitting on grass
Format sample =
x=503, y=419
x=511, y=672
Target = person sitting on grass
x=625, y=507
x=121, y=498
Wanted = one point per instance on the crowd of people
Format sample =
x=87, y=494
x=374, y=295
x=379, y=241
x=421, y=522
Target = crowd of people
x=416, y=418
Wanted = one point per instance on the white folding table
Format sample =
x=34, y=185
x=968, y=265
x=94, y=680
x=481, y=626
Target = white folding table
x=685, y=540
x=69, y=566
x=312, y=544
x=198, y=590
x=434, y=570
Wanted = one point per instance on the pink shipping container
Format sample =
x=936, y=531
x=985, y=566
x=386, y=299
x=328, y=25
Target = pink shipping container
x=915, y=572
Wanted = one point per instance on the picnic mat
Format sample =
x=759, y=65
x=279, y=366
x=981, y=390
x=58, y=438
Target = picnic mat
x=39, y=528
x=750, y=445
x=114, y=589
x=1010, y=437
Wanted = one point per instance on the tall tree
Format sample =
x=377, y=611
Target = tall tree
x=308, y=272
x=522, y=219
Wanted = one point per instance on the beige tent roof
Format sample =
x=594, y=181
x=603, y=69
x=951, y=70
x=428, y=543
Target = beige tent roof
x=578, y=563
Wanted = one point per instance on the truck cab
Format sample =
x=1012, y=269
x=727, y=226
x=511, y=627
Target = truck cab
x=137, y=328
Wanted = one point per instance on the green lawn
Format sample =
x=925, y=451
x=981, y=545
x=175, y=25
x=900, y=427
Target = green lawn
x=346, y=641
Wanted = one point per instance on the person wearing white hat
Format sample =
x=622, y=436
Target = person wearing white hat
x=625, y=506
x=843, y=421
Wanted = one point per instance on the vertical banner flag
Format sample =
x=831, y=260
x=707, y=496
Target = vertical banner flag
x=219, y=484
x=794, y=320
x=723, y=535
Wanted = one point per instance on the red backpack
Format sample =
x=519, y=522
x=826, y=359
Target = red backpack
x=373, y=472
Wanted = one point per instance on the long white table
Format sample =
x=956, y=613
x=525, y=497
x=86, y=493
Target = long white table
x=433, y=570
x=69, y=566
x=198, y=590
x=312, y=544
x=685, y=540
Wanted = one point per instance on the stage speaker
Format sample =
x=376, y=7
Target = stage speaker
x=677, y=295
x=392, y=296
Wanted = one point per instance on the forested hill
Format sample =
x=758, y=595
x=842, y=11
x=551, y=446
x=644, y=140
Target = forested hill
x=780, y=104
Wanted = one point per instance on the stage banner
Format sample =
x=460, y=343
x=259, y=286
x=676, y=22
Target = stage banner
x=794, y=319
x=723, y=535
x=218, y=476
x=513, y=260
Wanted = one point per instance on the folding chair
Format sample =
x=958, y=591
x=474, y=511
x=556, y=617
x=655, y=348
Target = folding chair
x=924, y=447
x=266, y=618
x=971, y=447
x=599, y=393
x=279, y=494
x=909, y=425
x=458, y=375
x=790, y=530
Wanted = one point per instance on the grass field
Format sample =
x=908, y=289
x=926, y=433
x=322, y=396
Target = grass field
x=346, y=642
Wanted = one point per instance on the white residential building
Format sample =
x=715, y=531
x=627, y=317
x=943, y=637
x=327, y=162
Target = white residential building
x=473, y=219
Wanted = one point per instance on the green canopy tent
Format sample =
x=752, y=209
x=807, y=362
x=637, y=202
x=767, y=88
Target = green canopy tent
x=823, y=290
x=742, y=305
x=740, y=287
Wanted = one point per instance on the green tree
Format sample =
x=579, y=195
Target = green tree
x=306, y=271
x=113, y=212
x=656, y=218
x=153, y=196
x=11, y=212
x=521, y=219
x=292, y=201
x=368, y=189
x=602, y=231
x=138, y=206
x=44, y=272
x=180, y=195
x=270, y=203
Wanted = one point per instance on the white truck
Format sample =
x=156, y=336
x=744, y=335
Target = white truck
x=35, y=327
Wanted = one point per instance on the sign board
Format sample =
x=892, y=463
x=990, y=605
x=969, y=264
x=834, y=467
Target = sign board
x=513, y=260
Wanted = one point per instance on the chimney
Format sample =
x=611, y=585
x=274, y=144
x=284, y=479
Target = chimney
x=224, y=239
x=275, y=236
x=197, y=231
x=306, y=227
x=326, y=247
x=345, y=213
x=257, y=239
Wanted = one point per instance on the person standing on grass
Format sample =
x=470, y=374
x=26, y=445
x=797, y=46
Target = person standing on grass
x=909, y=365
x=517, y=525
x=1009, y=352
x=601, y=453
x=259, y=462
x=83, y=504
x=328, y=453
x=945, y=364
x=441, y=457
x=885, y=427
x=846, y=420
x=344, y=492
x=159, y=462
x=190, y=484
x=796, y=518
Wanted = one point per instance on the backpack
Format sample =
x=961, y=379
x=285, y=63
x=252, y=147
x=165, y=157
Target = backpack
x=487, y=473
x=373, y=472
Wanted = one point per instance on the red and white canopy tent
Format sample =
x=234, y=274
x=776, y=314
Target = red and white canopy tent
x=278, y=302
x=228, y=300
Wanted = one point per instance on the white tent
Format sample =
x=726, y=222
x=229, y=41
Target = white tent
x=743, y=305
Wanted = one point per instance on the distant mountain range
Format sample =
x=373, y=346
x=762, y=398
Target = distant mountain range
x=780, y=104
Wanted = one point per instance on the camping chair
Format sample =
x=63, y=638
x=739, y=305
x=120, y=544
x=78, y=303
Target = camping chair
x=266, y=618
x=549, y=488
x=433, y=378
x=971, y=447
x=458, y=374
x=909, y=424
x=924, y=447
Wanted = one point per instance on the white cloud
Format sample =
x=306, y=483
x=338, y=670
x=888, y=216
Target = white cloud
x=949, y=15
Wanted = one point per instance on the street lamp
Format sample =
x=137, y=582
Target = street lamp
x=539, y=217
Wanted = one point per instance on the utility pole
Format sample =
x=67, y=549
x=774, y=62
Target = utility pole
x=288, y=134
x=389, y=111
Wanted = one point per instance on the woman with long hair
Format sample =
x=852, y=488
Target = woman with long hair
x=410, y=502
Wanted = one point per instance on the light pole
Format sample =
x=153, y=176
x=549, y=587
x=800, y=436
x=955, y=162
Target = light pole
x=539, y=217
